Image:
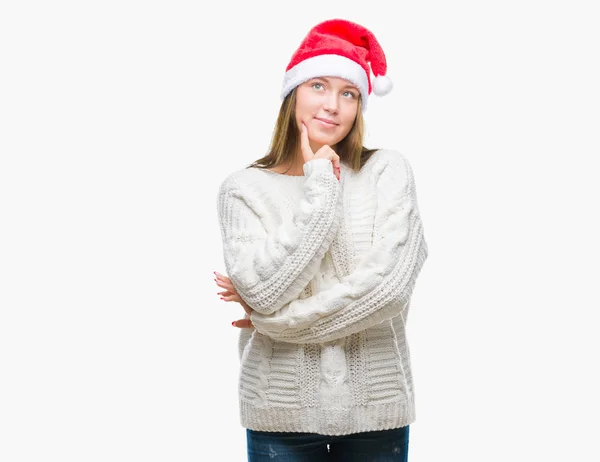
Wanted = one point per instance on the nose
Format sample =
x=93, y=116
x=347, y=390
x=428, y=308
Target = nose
x=331, y=103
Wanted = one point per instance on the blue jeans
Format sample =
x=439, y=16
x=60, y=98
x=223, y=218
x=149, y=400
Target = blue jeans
x=377, y=446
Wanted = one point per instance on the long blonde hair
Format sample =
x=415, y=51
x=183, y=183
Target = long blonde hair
x=286, y=140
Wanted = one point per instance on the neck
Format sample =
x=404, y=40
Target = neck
x=297, y=166
x=316, y=146
x=297, y=169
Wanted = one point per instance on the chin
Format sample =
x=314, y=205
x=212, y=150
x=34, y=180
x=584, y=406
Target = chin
x=329, y=140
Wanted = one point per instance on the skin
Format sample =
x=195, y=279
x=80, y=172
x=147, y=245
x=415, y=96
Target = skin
x=319, y=99
x=323, y=98
x=231, y=295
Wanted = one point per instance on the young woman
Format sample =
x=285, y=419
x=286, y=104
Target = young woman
x=322, y=244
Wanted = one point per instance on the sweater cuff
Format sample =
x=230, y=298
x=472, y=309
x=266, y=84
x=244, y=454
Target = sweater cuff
x=317, y=165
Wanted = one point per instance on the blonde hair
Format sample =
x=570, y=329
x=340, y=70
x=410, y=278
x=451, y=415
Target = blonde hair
x=286, y=140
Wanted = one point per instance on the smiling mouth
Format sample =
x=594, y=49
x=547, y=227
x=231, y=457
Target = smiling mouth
x=330, y=124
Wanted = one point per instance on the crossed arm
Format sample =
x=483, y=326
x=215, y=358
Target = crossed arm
x=268, y=269
x=380, y=286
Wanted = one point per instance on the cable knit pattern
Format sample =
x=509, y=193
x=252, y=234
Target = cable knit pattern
x=380, y=286
x=269, y=263
x=329, y=268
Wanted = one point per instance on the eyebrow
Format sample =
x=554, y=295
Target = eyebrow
x=354, y=87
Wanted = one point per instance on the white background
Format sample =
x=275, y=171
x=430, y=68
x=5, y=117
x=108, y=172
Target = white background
x=119, y=120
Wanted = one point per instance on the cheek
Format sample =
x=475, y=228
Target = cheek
x=304, y=99
x=349, y=120
x=345, y=131
x=303, y=107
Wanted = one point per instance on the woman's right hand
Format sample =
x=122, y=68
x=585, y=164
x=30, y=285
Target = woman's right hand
x=325, y=152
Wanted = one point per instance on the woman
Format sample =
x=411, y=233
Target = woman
x=323, y=242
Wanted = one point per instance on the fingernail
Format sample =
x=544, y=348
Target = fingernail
x=233, y=323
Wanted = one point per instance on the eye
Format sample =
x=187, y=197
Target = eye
x=350, y=93
x=314, y=84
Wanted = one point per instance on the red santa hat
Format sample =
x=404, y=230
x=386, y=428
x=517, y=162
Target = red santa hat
x=339, y=48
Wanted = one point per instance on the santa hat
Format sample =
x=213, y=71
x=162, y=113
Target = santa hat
x=339, y=48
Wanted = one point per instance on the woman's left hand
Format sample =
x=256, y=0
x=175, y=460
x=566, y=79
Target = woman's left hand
x=231, y=295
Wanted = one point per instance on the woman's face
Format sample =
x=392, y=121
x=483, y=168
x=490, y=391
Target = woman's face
x=328, y=107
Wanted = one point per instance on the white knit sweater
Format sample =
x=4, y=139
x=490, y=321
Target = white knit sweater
x=329, y=267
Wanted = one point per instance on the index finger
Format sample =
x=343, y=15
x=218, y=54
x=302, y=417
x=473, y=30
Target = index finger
x=243, y=323
x=305, y=143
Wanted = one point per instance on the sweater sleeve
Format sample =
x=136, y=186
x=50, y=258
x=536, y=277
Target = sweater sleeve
x=270, y=265
x=380, y=286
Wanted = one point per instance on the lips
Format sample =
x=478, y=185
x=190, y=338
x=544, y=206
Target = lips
x=327, y=121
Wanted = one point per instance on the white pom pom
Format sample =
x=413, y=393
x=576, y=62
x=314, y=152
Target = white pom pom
x=382, y=85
